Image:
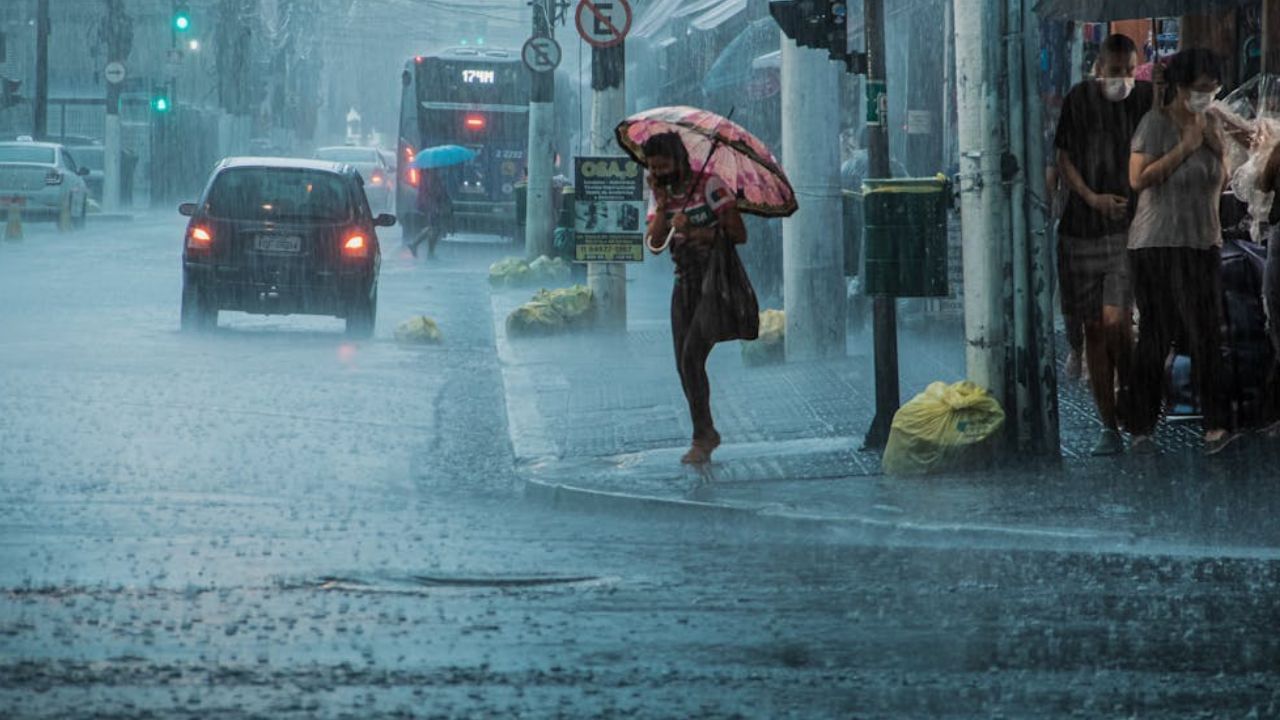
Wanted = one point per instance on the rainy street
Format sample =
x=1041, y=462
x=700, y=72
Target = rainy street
x=659, y=359
x=272, y=521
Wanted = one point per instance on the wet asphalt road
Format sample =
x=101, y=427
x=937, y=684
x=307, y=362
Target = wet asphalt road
x=272, y=521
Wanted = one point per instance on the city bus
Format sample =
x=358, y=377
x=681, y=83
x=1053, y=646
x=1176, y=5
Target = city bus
x=474, y=97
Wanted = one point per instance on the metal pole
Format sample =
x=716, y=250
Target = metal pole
x=1023, y=348
x=111, y=128
x=608, y=281
x=1045, y=367
x=884, y=321
x=40, y=121
x=539, y=223
x=980, y=152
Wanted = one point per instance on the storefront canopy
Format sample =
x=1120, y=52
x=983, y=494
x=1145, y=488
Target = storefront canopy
x=1101, y=10
x=705, y=14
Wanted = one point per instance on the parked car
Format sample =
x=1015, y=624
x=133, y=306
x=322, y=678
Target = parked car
x=91, y=157
x=46, y=177
x=277, y=236
x=379, y=174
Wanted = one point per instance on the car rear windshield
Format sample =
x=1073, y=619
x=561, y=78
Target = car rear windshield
x=87, y=157
x=26, y=154
x=279, y=194
x=348, y=155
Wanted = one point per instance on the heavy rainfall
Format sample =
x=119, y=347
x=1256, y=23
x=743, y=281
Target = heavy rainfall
x=639, y=358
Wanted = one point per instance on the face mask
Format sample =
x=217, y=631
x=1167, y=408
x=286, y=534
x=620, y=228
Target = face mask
x=1199, y=102
x=1116, y=89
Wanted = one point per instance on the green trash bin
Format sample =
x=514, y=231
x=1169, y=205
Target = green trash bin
x=906, y=236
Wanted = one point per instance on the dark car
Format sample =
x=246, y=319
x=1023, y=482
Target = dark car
x=276, y=236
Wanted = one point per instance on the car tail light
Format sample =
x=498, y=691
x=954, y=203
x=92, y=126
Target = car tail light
x=375, y=179
x=413, y=177
x=355, y=246
x=53, y=177
x=199, y=238
x=474, y=122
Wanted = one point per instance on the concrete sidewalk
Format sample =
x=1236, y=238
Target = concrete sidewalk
x=600, y=421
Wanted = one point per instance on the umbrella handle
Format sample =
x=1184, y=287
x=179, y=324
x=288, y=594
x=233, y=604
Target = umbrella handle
x=665, y=243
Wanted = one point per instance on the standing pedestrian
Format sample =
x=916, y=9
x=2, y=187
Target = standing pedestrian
x=689, y=215
x=1178, y=169
x=1099, y=117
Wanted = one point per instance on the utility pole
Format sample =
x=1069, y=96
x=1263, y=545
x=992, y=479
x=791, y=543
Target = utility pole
x=884, y=321
x=608, y=281
x=1045, y=368
x=812, y=251
x=40, y=121
x=119, y=39
x=981, y=136
x=538, y=237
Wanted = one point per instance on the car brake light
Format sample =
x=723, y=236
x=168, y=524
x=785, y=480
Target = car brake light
x=474, y=122
x=53, y=177
x=199, y=238
x=375, y=179
x=354, y=246
x=413, y=177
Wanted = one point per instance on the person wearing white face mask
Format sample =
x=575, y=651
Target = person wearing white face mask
x=1178, y=169
x=1099, y=117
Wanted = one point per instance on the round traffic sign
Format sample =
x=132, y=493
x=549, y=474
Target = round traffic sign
x=541, y=54
x=113, y=72
x=603, y=23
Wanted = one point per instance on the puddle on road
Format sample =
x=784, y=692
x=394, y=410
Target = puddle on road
x=423, y=584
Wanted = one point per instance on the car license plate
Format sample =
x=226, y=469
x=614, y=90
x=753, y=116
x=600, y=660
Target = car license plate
x=277, y=243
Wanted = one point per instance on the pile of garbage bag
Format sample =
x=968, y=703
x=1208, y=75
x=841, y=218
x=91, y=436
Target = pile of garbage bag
x=771, y=347
x=553, y=311
x=420, y=330
x=944, y=428
x=516, y=272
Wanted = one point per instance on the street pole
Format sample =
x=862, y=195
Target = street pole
x=538, y=237
x=813, y=286
x=980, y=135
x=884, y=321
x=608, y=281
x=1023, y=359
x=111, y=130
x=1045, y=369
x=40, y=121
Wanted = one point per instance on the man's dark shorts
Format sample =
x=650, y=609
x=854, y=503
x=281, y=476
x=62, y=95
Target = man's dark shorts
x=1096, y=273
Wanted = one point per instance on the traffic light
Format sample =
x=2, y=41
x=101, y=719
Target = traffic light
x=181, y=17
x=160, y=99
x=821, y=24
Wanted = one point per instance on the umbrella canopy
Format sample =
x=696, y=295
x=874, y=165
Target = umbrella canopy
x=442, y=156
x=740, y=159
x=1129, y=9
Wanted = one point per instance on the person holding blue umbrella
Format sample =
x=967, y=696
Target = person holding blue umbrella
x=433, y=193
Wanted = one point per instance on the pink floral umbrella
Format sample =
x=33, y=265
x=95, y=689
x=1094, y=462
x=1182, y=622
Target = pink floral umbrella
x=740, y=160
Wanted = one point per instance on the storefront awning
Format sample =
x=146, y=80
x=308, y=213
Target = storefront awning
x=722, y=12
x=706, y=14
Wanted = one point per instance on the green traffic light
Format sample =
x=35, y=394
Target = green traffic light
x=161, y=104
x=182, y=22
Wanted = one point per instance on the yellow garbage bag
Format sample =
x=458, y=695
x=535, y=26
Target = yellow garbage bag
x=419, y=329
x=946, y=427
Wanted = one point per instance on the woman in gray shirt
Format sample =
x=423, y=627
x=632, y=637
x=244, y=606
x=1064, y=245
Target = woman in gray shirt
x=1177, y=169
